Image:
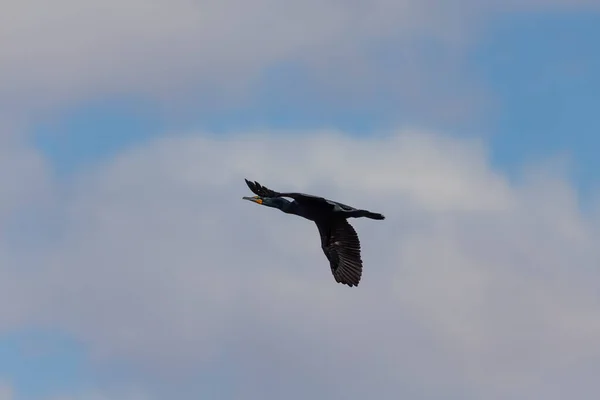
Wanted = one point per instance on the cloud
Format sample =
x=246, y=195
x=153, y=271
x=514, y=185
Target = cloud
x=23, y=174
x=91, y=395
x=474, y=286
x=221, y=52
x=74, y=49
x=5, y=392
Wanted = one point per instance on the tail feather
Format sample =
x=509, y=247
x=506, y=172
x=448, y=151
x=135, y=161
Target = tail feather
x=373, y=215
x=366, y=214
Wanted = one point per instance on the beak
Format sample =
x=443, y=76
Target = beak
x=255, y=199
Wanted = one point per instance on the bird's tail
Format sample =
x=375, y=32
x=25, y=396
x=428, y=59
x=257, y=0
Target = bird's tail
x=366, y=214
x=373, y=215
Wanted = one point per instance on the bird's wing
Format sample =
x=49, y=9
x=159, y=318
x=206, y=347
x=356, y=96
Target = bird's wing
x=341, y=205
x=260, y=190
x=341, y=245
x=263, y=191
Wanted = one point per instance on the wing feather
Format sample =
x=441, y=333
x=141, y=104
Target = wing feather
x=260, y=190
x=341, y=246
x=263, y=191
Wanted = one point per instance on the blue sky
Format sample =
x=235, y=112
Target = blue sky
x=535, y=71
x=38, y=363
x=539, y=69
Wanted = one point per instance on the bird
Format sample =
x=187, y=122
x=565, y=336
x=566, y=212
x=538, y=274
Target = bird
x=339, y=240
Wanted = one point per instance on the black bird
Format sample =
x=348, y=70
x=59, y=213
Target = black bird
x=339, y=240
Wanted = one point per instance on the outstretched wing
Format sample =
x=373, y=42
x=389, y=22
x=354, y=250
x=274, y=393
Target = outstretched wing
x=260, y=190
x=263, y=191
x=341, y=245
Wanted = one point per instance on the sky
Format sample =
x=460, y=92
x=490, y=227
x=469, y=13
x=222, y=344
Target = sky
x=130, y=268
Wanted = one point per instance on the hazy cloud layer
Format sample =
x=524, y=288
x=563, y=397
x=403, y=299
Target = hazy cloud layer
x=7, y=393
x=474, y=286
x=407, y=52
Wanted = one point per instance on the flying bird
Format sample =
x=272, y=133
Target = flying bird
x=339, y=240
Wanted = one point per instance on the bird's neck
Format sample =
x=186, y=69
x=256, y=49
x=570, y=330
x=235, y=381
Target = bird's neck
x=284, y=205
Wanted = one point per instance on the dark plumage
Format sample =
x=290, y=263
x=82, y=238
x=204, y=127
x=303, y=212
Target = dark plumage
x=339, y=240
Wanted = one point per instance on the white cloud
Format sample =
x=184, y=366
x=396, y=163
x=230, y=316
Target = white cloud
x=91, y=395
x=22, y=173
x=5, y=392
x=474, y=286
x=76, y=49
x=53, y=55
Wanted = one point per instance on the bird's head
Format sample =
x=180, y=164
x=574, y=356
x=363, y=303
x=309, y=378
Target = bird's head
x=255, y=199
x=275, y=202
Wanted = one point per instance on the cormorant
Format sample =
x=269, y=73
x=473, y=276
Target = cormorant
x=339, y=240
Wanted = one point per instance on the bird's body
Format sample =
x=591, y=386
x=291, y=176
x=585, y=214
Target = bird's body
x=339, y=240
